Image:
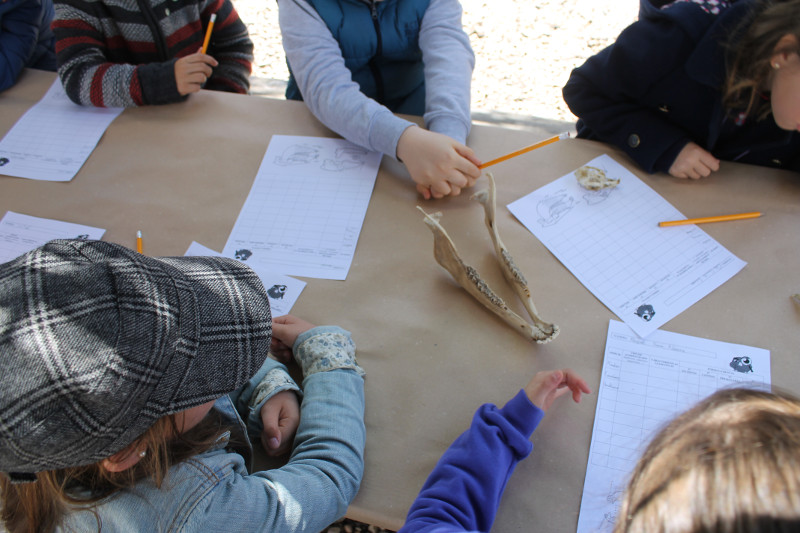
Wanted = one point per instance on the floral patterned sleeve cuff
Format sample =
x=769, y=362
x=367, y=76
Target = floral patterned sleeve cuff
x=326, y=348
x=275, y=381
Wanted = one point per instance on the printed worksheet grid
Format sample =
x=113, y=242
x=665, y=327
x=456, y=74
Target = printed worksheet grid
x=286, y=210
x=639, y=393
x=607, y=243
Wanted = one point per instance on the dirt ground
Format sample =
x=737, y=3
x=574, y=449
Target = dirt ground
x=524, y=50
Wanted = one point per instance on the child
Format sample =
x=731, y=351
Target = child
x=728, y=464
x=357, y=62
x=25, y=38
x=121, y=53
x=116, y=414
x=464, y=489
x=695, y=82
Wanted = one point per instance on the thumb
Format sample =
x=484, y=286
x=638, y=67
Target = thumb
x=272, y=437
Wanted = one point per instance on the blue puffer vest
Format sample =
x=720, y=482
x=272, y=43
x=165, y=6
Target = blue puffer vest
x=380, y=46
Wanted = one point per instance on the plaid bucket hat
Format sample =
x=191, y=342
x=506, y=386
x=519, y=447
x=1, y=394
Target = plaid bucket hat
x=97, y=342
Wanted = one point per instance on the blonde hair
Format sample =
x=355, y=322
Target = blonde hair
x=750, y=48
x=41, y=505
x=729, y=464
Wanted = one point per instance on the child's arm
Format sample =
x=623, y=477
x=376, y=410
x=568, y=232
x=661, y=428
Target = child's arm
x=327, y=86
x=231, y=46
x=607, y=92
x=464, y=489
x=324, y=471
x=90, y=78
x=449, y=62
x=267, y=405
x=19, y=30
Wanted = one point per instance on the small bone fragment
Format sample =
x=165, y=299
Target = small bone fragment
x=594, y=178
x=487, y=198
x=445, y=253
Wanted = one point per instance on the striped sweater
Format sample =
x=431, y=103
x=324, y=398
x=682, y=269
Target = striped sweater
x=122, y=53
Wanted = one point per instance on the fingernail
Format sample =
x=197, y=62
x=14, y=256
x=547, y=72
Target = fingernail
x=274, y=442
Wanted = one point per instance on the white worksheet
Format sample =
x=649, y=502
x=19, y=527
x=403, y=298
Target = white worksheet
x=282, y=291
x=54, y=138
x=610, y=240
x=306, y=207
x=645, y=383
x=22, y=233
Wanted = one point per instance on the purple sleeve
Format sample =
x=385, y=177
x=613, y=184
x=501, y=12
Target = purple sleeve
x=464, y=489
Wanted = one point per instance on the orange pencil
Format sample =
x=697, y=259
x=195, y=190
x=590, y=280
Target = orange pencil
x=139, y=241
x=703, y=220
x=521, y=151
x=208, y=33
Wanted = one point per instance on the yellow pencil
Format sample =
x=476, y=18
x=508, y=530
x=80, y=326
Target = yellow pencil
x=521, y=151
x=139, y=241
x=703, y=220
x=208, y=32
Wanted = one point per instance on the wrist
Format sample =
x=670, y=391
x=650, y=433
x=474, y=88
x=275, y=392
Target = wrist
x=405, y=141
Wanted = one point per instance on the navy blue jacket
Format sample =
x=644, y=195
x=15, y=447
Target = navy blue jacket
x=25, y=38
x=658, y=87
x=380, y=46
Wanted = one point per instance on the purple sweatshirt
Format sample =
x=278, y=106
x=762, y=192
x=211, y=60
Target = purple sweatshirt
x=464, y=489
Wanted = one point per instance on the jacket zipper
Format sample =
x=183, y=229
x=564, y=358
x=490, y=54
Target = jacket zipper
x=373, y=63
x=155, y=29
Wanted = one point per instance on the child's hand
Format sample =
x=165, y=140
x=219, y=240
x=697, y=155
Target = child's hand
x=545, y=387
x=285, y=330
x=438, y=164
x=693, y=162
x=280, y=416
x=191, y=72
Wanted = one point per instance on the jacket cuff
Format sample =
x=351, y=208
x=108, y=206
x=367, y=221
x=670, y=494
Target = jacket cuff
x=522, y=413
x=325, y=348
x=450, y=126
x=385, y=132
x=158, y=82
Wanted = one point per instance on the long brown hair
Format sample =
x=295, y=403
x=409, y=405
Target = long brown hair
x=40, y=506
x=730, y=464
x=749, y=50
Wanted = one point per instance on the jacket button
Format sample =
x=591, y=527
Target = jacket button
x=634, y=140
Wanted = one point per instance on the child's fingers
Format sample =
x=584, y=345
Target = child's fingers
x=424, y=190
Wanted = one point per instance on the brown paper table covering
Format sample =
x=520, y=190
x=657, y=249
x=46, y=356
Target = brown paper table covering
x=182, y=172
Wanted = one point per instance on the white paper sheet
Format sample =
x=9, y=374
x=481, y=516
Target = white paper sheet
x=610, y=240
x=282, y=291
x=306, y=207
x=22, y=233
x=54, y=138
x=645, y=383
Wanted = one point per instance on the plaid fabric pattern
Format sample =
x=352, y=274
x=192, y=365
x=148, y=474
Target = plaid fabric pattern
x=97, y=342
x=121, y=53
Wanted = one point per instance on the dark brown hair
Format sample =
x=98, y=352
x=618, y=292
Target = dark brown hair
x=730, y=464
x=749, y=50
x=40, y=506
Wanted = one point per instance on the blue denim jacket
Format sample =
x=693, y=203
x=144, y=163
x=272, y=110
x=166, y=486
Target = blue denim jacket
x=214, y=491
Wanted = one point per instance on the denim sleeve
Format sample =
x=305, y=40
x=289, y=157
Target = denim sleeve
x=318, y=483
x=270, y=379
